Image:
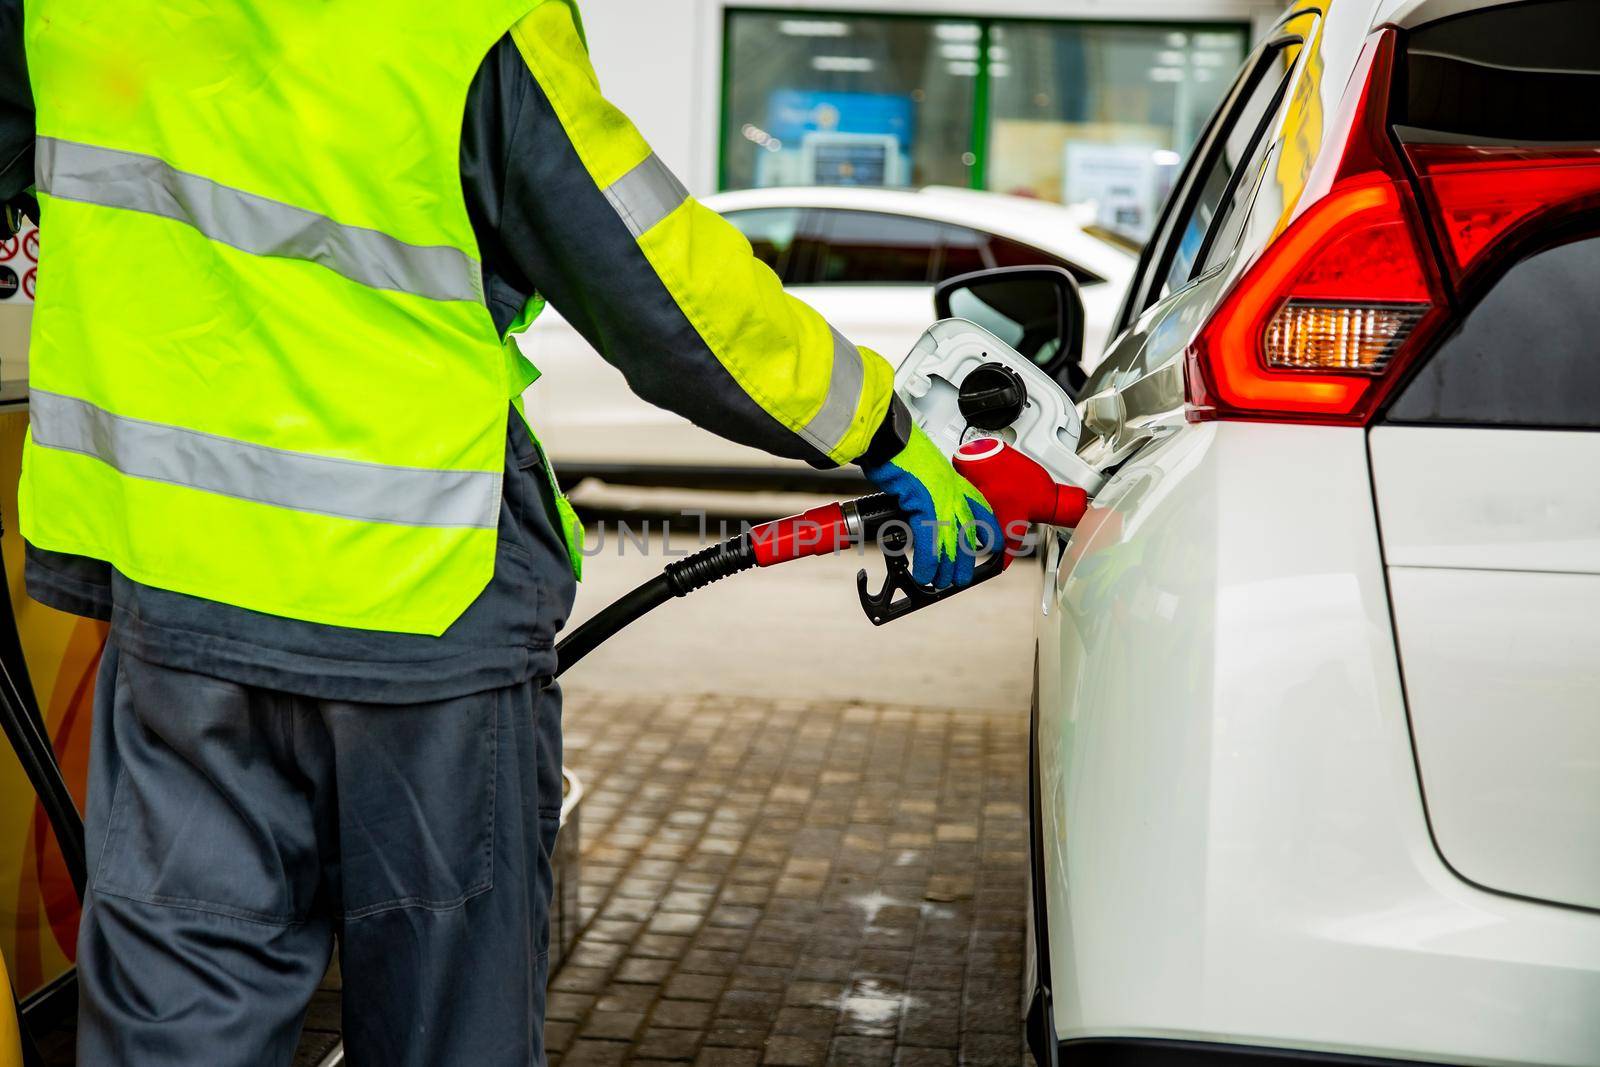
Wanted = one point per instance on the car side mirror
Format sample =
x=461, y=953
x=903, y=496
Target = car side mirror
x=1035, y=310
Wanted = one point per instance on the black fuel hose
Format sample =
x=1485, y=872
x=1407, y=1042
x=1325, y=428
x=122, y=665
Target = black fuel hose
x=684, y=576
x=680, y=578
x=25, y=730
x=28, y=739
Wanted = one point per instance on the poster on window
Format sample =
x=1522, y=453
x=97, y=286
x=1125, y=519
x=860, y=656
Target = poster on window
x=835, y=138
x=1119, y=180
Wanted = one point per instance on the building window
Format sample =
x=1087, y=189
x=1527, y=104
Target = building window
x=844, y=100
x=1075, y=112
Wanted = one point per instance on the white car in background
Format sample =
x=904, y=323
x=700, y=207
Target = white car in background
x=1316, y=742
x=867, y=259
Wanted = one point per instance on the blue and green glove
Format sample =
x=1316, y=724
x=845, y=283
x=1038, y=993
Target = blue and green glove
x=950, y=520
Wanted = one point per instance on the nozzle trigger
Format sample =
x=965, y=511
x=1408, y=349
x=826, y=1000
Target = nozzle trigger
x=884, y=607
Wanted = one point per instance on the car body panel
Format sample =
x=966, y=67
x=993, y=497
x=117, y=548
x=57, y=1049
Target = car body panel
x=1235, y=843
x=1488, y=499
x=1492, y=537
x=1502, y=681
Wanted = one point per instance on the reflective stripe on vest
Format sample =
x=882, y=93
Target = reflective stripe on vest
x=252, y=223
x=368, y=492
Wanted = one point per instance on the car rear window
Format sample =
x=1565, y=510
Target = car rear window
x=962, y=252
x=771, y=233
x=1004, y=252
x=1524, y=355
x=1526, y=71
x=966, y=250
x=851, y=247
x=856, y=247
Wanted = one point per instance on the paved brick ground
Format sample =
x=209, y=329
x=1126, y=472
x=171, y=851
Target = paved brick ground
x=785, y=883
x=795, y=883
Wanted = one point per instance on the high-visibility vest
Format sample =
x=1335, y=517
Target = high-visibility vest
x=262, y=368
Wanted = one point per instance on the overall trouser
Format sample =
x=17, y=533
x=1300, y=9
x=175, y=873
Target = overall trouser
x=236, y=834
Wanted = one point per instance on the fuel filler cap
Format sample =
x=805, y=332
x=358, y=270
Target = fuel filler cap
x=992, y=397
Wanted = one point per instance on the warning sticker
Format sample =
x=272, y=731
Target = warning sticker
x=19, y=266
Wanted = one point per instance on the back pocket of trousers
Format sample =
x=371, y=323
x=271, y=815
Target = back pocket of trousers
x=206, y=812
x=416, y=787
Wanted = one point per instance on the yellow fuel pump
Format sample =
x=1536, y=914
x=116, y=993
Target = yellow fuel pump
x=10, y=1037
x=47, y=668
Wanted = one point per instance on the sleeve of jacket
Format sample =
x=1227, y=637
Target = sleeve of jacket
x=16, y=106
x=664, y=288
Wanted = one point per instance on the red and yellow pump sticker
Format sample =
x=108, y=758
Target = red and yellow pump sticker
x=10, y=1038
x=38, y=909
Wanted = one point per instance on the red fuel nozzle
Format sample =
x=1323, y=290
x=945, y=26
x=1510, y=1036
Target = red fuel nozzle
x=811, y=533
x=822, y=530
x=1020, y=490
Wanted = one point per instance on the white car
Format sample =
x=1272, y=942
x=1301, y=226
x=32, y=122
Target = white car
x=867, y=259
x=1316, y=760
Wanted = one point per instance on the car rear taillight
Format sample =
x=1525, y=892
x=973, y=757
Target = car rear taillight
x=1340, y=291
x=1321, y=326
x=1342, y=297
x=1482, y=197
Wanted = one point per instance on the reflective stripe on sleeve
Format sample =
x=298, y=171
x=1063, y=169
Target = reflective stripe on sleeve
x=646, y=194
x=113, y=178
x=838, y=412
x=365, y=492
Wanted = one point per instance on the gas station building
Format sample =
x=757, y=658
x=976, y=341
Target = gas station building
x=1063, y=100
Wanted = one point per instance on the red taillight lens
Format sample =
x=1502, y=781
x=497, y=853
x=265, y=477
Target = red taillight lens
x=1484, y=196
x=1341, y=297
x=1326, y=309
